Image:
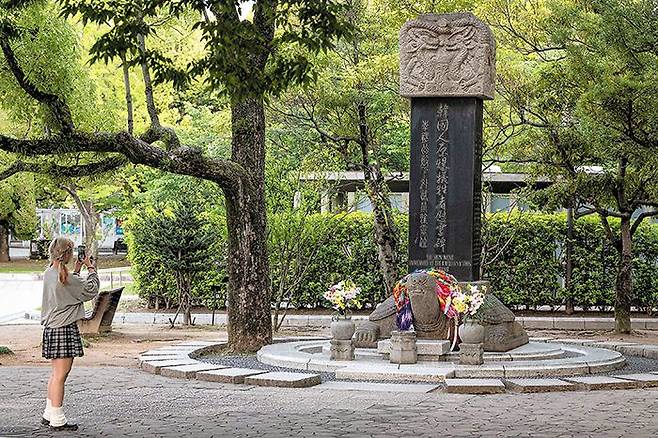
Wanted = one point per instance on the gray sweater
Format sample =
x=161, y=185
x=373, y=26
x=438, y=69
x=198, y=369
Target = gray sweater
x=62, y=304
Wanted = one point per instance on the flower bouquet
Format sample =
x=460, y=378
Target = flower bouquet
x=343, y=297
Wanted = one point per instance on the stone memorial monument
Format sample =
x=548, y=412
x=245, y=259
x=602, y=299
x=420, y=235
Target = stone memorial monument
x=447, y=69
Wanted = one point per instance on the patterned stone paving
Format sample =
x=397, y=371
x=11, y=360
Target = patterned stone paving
x=116, y=402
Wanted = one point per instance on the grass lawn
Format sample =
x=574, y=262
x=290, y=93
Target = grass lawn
x=35, y=266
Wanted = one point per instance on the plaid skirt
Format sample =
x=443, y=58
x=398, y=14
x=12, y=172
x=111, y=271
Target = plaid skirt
x=62, y=342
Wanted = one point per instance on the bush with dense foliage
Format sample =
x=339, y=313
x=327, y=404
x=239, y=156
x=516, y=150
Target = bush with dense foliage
x=176, y=238
x=526, y=271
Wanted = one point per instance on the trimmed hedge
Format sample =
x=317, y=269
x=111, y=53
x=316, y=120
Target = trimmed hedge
x=526, y=261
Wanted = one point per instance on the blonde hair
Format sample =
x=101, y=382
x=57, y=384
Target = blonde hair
x=61, y=250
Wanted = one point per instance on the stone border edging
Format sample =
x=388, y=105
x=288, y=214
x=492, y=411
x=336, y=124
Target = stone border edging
x=180, y=361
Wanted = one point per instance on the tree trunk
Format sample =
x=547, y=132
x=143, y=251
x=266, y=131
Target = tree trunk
x=90, y=217
x=4, y=243
x=91, y=220
x=624, y=284
x=386, y=232
x=569, y=262
x=249, y=315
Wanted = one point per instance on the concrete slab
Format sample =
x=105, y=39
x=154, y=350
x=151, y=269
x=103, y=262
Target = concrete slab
x=605, y=366
x=574, y=341
x=649, y=380
x=651, y=351
x=602, y=382
x=631, y=350
x=599, y=323
x=611, y=345
x=165, y=352
x=284, y=380
x=546, y=370
x=569, y=324
x=479, y=371
x=474, y=386
x=391, y=372
x=163, y=357
x=188, y=371
x=154, y=366
x=538, y=385
x=540, y=323
x=228, y=375
x=424, y=347
x=378, y=387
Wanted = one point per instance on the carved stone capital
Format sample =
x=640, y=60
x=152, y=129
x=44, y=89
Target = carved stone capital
x=447, y=55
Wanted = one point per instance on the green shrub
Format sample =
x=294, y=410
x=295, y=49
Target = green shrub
x=525, y=263
x=5, y=350
x=180, y=236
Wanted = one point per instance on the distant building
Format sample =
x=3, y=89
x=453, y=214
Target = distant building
x=67, y=222
x=347, y=190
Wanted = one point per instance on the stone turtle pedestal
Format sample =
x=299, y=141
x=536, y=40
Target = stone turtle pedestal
x=471, y=354
x=403, y=347
x=342, y=349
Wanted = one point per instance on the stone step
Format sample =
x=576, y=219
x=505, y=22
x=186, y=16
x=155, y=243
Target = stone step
x=284, y=380
x=602, y=382
x=161, y=357
x=165, y=352
x=188, y=371
x=154, y=366
x=228, y=375
x=648, y=380
x=424, y=347
x=474, y=386
x=378, y=387
x=538, y=385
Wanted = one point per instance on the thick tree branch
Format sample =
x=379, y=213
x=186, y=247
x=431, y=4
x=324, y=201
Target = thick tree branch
x=230, y=175
x=129, y=99
x=96, y=168
x=640, y=218
x=156, y=131
x=616, y=242
x=58, y=107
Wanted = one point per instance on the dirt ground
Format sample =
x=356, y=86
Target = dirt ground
x=122, y=347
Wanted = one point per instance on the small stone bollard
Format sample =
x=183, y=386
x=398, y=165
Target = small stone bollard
x=403, y=347
x=342, y=349
x=471, y=354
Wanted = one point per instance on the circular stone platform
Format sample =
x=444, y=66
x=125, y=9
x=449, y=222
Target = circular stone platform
x=535, y=359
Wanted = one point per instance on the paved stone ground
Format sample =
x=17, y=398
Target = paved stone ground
x=113, y=401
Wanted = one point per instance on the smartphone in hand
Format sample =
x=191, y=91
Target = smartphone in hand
x=81, y=253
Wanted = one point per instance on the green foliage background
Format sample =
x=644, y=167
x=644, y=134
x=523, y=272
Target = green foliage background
x=526, y=275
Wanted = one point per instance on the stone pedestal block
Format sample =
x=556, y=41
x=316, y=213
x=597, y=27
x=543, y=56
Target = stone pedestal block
x=403, y=347
x=342, y=349
x=471, y=354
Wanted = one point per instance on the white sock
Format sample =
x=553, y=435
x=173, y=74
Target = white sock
x=46, y=412
x=57, y=417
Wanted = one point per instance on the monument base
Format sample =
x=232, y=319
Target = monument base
x=342, y=349
x=403, y=348
x=471, y=354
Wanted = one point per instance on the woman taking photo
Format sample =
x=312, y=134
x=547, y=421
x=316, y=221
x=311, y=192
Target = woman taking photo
x=63, y=296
